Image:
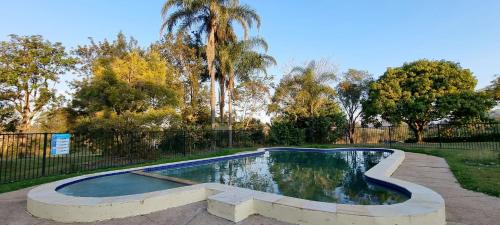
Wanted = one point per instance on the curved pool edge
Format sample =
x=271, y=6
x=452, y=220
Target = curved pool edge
x=424, y=206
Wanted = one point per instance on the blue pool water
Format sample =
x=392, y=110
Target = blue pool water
x=117, y=185
x=320, y=176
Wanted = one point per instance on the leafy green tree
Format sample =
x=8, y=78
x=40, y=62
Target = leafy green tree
x=28, y=67
x=213, y=17
x=240, y=60
x=133, y=88
x=494, y=88
x=184, y=53
x=351, y=91
x=409, y=93
x=124, y=78
x=305, y=100
x=102, y=51
x=303, y=92
x=465, y=107
x=107, y=93
x=251, y=97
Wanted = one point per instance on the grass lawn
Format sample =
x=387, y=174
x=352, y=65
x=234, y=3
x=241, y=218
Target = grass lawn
x=32, y=182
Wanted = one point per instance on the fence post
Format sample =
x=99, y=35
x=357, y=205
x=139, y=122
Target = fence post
x=390, y=136
x=44, y=159
x=439, y=136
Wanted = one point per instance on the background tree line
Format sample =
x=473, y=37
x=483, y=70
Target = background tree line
x=201, y=63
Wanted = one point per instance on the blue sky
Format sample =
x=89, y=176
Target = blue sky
x=368, y=35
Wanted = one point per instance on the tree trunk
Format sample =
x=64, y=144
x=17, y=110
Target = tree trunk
x=211, y=70
x=230, y=113
x=418, y=131
x=25, y=120
x=351, y=134
x=418, y=136
x=210, y=52
x=222, y=99
x=25, y=123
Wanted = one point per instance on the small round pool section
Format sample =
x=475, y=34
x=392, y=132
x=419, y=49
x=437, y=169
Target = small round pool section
x=116, y=185
x=294, y=185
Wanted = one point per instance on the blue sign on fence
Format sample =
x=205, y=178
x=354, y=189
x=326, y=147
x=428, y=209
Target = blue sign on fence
x=60, y=144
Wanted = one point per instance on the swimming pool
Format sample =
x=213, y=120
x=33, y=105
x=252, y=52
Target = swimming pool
x=301, y=186
x=320, y=176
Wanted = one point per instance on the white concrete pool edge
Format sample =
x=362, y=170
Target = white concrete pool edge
x=424, y=207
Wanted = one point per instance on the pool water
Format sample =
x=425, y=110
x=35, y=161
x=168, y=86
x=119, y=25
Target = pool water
x=319, y=176
x=336, y=177
x=117, y=185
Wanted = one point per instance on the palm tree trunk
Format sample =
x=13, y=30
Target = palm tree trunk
x=222, y=100
x=230, y=113
x=211, y=70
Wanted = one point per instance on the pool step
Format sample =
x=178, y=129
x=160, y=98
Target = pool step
x=163, y=177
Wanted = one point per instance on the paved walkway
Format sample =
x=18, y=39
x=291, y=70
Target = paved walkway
x=463, y=207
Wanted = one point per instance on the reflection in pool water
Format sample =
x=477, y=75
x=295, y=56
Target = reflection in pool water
x=327, y=177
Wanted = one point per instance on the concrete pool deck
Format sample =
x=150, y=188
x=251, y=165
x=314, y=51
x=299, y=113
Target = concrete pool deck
x=463, y=207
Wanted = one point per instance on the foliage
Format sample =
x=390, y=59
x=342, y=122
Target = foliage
x=129, y=88
x=286, y=133
x=251, y=97
x=304, y=101
x=304, y=92
x=351, y=91
x=8, y=122
x=102, y=51
x=241, y=61
x=465, y=107
x=57, y=120
x=409, y=93
x=215, y=18
x=184, y=53
x=28, y=66
x=494, y=88
x=107, y=92
x=106, y=122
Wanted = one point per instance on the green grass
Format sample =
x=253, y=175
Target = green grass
x=476, y=169
x=37, y=181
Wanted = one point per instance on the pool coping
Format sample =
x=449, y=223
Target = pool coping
x=233, y=203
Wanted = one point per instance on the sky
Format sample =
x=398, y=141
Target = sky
x=367, y=35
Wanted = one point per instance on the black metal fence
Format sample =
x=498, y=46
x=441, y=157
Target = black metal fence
x=26, y=156
x=484, y=136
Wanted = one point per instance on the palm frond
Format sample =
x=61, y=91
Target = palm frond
x=182, y=15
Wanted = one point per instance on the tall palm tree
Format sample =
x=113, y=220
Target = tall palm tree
x=212, y=17
x=240, y=59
